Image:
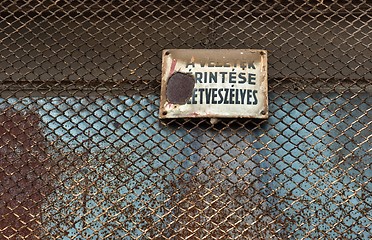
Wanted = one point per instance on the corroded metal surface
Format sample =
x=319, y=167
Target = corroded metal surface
x=179, y=88
x=83, y=154
x=25, y=175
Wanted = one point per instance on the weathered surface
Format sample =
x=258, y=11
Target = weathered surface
x=23, y=175
x=179, y=88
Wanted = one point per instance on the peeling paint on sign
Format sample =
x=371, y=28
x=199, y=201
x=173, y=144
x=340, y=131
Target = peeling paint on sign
x=180, y=88
x=215, y=83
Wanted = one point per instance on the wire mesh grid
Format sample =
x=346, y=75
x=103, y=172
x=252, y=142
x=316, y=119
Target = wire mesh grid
x=84, y=156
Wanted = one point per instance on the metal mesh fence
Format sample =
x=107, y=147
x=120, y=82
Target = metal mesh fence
x=84, y=156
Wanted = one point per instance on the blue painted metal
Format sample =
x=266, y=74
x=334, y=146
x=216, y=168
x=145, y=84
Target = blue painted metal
x=309, y=163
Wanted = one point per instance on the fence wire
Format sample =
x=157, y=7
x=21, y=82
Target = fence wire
x=83, y=154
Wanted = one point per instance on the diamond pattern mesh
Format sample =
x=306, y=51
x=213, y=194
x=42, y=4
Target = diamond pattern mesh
x=83, y=154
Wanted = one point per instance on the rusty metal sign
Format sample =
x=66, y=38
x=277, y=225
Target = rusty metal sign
x=215, y=83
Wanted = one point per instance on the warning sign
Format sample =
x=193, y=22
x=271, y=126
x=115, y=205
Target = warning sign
x=214, y=83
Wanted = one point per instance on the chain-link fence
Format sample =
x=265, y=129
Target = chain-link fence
x=83, y=154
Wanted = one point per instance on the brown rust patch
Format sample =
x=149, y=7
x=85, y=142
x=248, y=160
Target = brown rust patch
x=219, y=210
x=180, y=88
x=23, y=174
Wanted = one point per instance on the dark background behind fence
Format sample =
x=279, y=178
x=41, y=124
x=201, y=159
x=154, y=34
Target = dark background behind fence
x=84, y=156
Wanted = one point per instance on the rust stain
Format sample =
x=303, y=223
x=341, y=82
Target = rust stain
x=213, y=210
x=180, y=88
x=99, y=178
x=23, y=174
